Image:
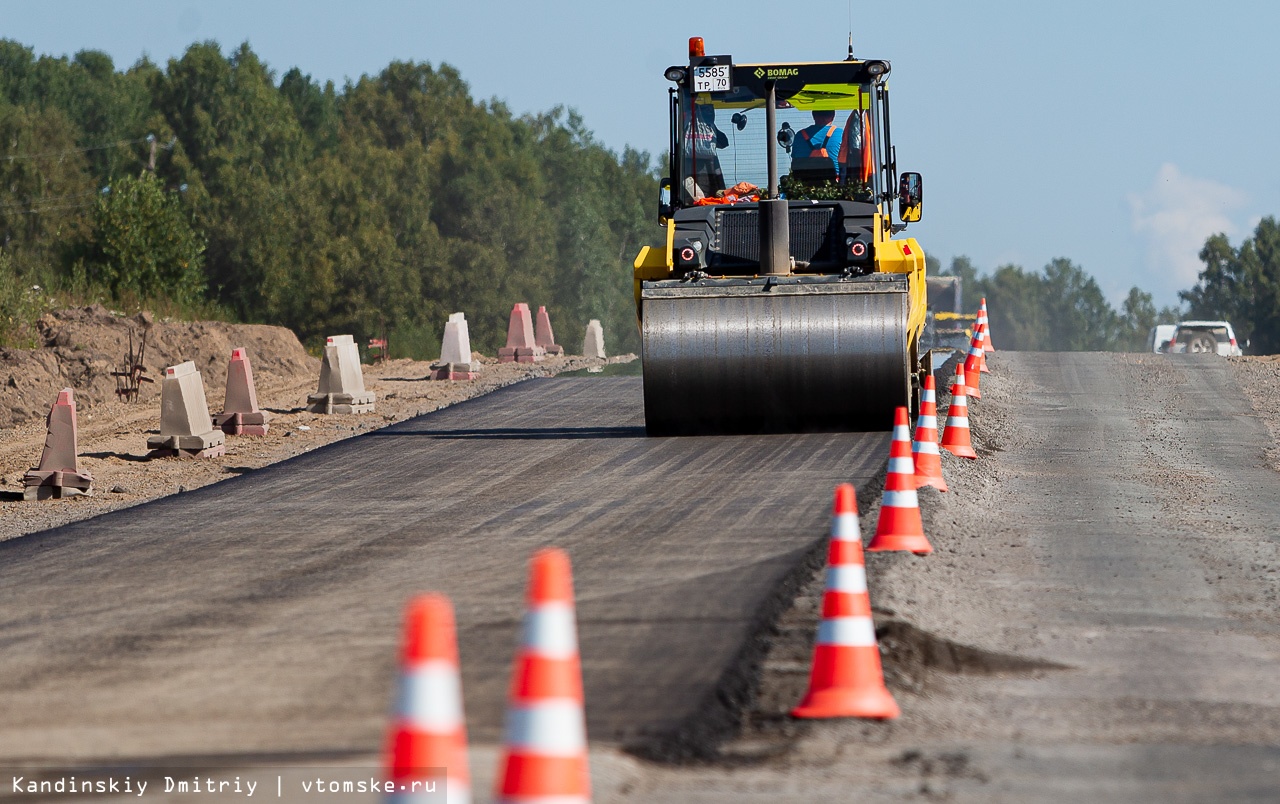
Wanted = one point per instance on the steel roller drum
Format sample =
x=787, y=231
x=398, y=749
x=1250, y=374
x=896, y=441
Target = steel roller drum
x=789, y=357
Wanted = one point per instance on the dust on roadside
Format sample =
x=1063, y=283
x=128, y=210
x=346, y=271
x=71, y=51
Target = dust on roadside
x=82, y=350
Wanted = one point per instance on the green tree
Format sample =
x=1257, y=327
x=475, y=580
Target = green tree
x=1077, y=316
x=143, y=244
x=45, y=185
x=389, y=203
x=1242, y=285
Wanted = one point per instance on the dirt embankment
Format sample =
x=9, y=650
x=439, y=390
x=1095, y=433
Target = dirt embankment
x=82, y=346
x=85, y=345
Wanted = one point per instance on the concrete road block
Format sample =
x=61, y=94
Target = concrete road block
x=521, y=346
x=543, y=336
x=186, y=429
x=240, y=414
x=341, y=380
x=58, y=474
x=455, y=352
x=593, y=342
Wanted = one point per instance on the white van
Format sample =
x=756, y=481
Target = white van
x=1159, y=336
x=1213, y=337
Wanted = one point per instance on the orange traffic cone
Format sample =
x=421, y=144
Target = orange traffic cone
x=981, y=331
x=955, y=438
x=899, y=526
x=924, y=448
x=428, y=733
x=544, y=756
x=983, y=321
x=973, y=363
x=846, y=679
x=960, y=382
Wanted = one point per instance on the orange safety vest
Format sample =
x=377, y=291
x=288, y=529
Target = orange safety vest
x=865, y=167
x=826, y=136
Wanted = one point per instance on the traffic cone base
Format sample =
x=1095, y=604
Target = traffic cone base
x=861, y=693
x=961, y=451
x=900, y=526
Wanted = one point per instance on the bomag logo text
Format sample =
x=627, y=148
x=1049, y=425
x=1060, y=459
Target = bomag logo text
x=777, y=72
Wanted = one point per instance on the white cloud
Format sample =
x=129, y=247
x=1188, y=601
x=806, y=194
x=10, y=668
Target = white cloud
x=1174, y=217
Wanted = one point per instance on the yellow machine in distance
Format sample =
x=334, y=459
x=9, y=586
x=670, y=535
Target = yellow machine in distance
x=781, y=300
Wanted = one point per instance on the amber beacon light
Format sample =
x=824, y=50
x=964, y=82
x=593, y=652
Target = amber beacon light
x=696, y=48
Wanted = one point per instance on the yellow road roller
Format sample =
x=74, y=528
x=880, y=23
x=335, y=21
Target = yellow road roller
x=782, y=300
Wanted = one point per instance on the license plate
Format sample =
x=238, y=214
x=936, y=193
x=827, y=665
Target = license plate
x=712, y=78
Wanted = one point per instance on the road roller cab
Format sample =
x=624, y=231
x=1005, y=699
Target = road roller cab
x=781, y=300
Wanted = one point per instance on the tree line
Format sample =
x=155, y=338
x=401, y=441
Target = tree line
x=211, y=186
x=1062, y=308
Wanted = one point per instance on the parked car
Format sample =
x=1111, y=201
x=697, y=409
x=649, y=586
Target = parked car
x=1160, y=336
x=1193, y=337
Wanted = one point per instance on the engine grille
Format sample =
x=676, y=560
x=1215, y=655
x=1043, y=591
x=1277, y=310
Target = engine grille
x=813, y=234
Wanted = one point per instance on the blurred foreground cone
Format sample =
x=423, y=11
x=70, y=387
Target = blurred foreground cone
x=983, y=321
x=846, y=679
x=899, y=526
x=955, y=437
x=427, y=746
x=544, y=754
x=924, y=448
x=973, y=365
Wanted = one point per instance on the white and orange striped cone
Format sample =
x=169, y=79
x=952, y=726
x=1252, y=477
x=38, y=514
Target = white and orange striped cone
x=899, y=526
x=955, y=437
x=960, y=380
x=973, y=364
x=981, y=330
x=846, y=679
x=429, y=735
x=544, y=755
x=984, y=321
x=924, y=447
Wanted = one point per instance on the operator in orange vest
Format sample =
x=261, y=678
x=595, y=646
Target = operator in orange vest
x=820, y=139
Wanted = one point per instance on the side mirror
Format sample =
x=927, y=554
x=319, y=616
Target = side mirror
x=910, y=197
x=739, y=120
x=664, y=200
x=786, y=136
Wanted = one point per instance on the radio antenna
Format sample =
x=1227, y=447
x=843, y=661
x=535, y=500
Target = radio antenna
x=850, y=56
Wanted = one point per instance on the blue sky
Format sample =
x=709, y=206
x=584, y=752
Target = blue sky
x=1116, y=134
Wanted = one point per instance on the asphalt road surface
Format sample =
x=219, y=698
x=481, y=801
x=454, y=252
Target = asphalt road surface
x=260, y=616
